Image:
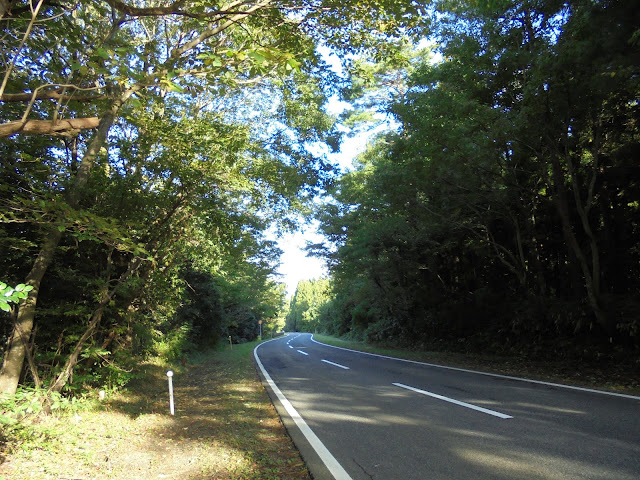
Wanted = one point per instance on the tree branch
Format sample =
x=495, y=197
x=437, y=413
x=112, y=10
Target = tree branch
x=65, y=128
x=8, y=71
x=51, y=95
x=175, y=9
x=220, y=28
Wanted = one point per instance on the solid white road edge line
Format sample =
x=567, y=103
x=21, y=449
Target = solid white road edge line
x=325, y=455
x=304, y=353
x=487, y=374
x=456, y=402
x=336, y=364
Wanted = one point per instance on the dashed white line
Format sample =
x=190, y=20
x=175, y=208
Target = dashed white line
x=336, y=364
x=487, y=374
x=338, y=472
x=456, y=402
x=304, y=353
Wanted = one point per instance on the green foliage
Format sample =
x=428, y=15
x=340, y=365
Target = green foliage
x=203, y=311
x=489, y=220
x=377, y=81
x=22, y=425
x=10, y=295
x=30, y=402
x=306, y=305
x=179, y=190
x=171, y=346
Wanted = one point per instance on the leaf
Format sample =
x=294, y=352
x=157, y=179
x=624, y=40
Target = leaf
x=257, y=57
x=135, y=102
x=172, y=87
x=102, y=53
x=293, y=64
x=4, y=306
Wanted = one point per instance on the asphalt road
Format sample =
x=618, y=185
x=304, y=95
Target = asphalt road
x=358, y=416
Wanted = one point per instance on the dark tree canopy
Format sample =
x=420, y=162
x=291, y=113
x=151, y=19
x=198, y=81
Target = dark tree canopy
x=504, y=212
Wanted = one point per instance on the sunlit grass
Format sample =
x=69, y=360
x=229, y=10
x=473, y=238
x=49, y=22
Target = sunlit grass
x=224, y=427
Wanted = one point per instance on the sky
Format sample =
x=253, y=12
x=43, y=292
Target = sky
x=295, y=266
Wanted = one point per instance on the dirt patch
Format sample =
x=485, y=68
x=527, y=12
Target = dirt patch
x=224, y=427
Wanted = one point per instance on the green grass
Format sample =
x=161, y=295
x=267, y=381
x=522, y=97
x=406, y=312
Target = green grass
x=224, y=427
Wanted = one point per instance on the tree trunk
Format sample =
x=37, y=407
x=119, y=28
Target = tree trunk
x=16, y=345
x=19, y=338
x=592, y=287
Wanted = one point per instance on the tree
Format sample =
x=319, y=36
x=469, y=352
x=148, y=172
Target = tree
x=122, y=68
x=490, y=213
x=305, y=305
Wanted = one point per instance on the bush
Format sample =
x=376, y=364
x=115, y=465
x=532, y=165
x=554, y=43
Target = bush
x=172, y=345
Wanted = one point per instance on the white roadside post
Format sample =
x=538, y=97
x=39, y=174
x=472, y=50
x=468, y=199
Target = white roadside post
x=260, y=323
x=169, y=377
x=230, y=343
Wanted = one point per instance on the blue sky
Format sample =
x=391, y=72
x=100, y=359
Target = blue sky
x=295, y=266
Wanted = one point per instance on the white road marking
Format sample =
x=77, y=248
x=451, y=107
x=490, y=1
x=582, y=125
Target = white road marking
x=457, y=402
x=325, y=455
x=304, y=353
x=336, y=364
x=487, y=374
x=290, y=346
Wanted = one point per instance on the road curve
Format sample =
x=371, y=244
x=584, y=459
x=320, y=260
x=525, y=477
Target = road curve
x=361, y=416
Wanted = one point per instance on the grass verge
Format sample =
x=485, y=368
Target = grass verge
x=224, y=427
x=622, y=378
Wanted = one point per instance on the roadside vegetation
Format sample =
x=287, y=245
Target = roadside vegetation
x=224, y=427
x=500, y=214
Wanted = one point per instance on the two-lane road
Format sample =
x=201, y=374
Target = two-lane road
x=361, y=416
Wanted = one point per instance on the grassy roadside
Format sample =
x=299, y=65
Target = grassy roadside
x=224, y=427
x=617, y=378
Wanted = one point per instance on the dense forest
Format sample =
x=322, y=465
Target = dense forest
x=150, y=149
x=502, y=213
x=147, y=150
